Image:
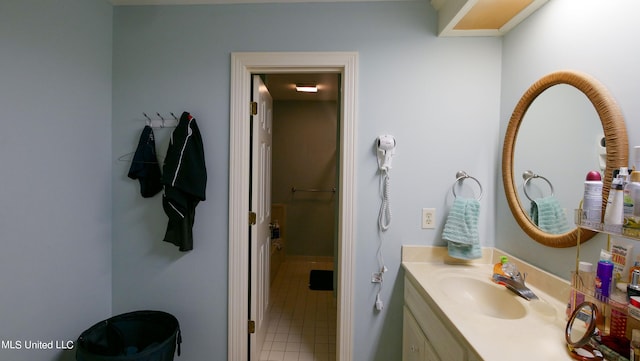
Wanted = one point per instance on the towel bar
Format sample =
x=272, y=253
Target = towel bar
x=528, y=176
x=294, y=189
x=460, y=177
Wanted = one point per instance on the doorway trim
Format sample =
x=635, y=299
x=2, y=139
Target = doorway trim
x=243, y=65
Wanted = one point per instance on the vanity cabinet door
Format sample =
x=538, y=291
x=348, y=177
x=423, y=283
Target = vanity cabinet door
x=415, y=346
x=441, y=339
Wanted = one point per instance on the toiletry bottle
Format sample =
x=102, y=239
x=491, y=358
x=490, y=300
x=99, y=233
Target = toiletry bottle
x=636, y=266
x=613, y=213
x=497, y=268
x=275, y=230
x=505, y=268
x=586, y=276
x=634, y=352
x=635, y=192
x=632, y=205
x=623, y=173
x=592, y=200
x=633, y=288
x=627, y=203
x=508, y=268
x=604, y=273
x=583, y=281
x=628, y=200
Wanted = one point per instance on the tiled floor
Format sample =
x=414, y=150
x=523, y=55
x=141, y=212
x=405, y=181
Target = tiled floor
x=302, y=323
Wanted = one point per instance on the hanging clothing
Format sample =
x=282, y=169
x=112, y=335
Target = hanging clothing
x=184, y=177
x=144, y=166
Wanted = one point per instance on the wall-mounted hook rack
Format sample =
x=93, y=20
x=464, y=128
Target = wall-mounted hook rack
x=161, y=122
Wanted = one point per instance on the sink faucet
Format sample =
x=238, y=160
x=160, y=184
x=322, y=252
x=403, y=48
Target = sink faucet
x=516, y=285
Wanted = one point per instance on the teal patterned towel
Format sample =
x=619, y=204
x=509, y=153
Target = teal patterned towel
x=547, y=214
x=461, y=229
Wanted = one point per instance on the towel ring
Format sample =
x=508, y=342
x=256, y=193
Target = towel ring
x=528, y=176
x=460, y=177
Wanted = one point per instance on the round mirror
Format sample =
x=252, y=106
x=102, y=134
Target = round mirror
x=580, y=328
x=545, y=144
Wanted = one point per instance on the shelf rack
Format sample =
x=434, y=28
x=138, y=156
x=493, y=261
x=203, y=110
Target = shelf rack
x=611, y=310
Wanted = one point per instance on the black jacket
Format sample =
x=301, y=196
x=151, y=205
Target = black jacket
x=145, y=167
x=184, y=178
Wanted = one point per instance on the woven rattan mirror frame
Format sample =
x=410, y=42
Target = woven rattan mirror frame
x=616, y=142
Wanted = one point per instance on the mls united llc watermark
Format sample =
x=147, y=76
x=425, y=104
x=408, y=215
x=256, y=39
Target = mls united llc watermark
x=36, y=345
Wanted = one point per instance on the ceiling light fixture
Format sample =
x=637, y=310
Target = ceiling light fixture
x=307, y=88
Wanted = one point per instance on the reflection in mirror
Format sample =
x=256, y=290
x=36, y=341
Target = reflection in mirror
x=562, y=145
x=545, y=211
x=580, y=328
x=559, y=139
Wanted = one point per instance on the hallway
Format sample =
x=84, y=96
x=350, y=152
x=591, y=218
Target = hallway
x=302, y=321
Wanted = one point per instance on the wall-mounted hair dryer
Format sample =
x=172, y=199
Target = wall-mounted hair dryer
x=601, y=148
x=386, y=149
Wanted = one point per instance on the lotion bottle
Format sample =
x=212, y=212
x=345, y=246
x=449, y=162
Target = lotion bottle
x=614, y=212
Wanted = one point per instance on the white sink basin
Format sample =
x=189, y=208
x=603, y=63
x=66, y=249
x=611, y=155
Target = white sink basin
x=482, y=295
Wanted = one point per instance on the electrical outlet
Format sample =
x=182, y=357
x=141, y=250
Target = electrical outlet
x=428, y=218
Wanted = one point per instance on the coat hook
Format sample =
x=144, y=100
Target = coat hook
x=160, y=116
x=174, y=116
x=146, y=116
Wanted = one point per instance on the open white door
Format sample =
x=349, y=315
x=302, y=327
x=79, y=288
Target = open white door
x=261, y=205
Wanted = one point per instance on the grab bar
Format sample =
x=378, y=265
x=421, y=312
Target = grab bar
x=294, y=189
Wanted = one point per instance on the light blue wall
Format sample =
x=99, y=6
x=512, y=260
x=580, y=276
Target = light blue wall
x=55, y=193
x=305, y=156
x=593, y=37
x=439, y=97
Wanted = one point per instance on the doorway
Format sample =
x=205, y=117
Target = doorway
x=243, y=65
x=301, y=322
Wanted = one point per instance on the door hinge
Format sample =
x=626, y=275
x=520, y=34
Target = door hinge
x=254, y=108
x=252, y=326
x=252, y=218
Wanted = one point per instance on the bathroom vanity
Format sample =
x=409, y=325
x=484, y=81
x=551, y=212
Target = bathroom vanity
x=454, y=312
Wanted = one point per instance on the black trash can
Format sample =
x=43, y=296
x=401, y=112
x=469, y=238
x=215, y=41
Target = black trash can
x=133, y=336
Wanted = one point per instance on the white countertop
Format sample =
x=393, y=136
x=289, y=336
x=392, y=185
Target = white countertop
x=537, y=334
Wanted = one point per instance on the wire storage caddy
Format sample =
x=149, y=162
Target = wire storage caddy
x=615, y=318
